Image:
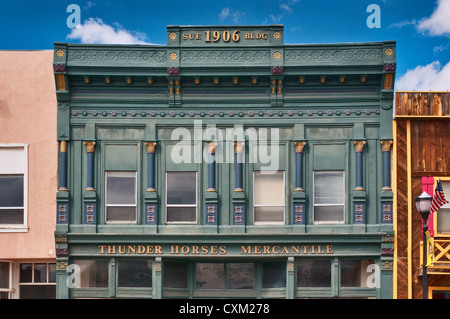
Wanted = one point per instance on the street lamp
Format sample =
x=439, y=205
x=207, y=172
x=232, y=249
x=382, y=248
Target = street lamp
x=423, y=205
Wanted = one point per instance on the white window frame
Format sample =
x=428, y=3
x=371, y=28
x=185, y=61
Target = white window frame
x=121, y=205
x=324, y=205
x=445, y=207
x=274, y=205
x=32, y=283
x=18, y=227
x=10, y=290
x=184, y=205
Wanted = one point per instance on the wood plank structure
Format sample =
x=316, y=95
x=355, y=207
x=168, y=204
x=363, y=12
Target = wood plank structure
x=421, y=156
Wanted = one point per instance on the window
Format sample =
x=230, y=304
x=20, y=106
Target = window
x=224, y=275
x=443, y=214
x=13, y=185
x=37, y=281
x=5, y=280
x=314, y=273
x=135, y=273
x=328, y=195
x=274, y=274
x=175, y=275
x=181, y=197
x=93, y=273
x=357, y=273
x=268, y=197
x=120, y=197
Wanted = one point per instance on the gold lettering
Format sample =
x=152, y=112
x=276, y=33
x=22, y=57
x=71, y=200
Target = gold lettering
x=198, y=36
x=174, y=249
x=121, y=249
x=204, y=250
x=257, y=249
x=330, y=249
x=246, y=250
x=266, y=250
x=223, y=250
x=214, y=250
x=149, y=249
x=102, y=248
x=131, y=249
x=247, y=36
x=185, y=250
x=312, y=249
x=319, y=251
x=185, y=36
x=141, y=249
x=295, y=249
x=111, y=249
x=305, y=249
x=195, y=249
x=276, y=252
x=158, y=249
x=264, y=36
x=285, y=251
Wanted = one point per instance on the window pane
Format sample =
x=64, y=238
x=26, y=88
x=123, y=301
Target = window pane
x=51, y=272
x=4, y=275
x=175, y=275
x=314, y=273
x=120, y=213
x=181, y=214
x=268, y=188
x=240, y=275
x=135, y=273
x=40, y=272
x=443, y=220
x=38, y=292
x=329, y=187
x=121, y=188
x=26, y=272
x=11, y=216
x=93, y=273
x=329, y=214
x=354, y=273
x=209, y=276
x=181, y=188
x=11, y=190
x=274, y=274
x=269, y=214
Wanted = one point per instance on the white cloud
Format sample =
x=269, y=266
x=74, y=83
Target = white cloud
x=234, y=15
x=439, y=22
x=95, y=31
x=403, y=24
x=433, y=76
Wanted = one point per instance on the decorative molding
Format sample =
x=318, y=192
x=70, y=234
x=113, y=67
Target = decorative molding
x=390, y=67
x=173, y=71
x=211, y=147
x=62, y=265
x=59, y=68
x=116, y=56
x=327, y=56
x=277, y=70
x=90, y=146
x=60, y=239
x=299, y=146
x=387, y=265
x=359, y=145
x=151, y=146
x=386, y=145
x=239, y=147
x=208, y=57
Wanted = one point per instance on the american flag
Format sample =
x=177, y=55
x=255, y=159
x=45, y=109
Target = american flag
x=438, y=198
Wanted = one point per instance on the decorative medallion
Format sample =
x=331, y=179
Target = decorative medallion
x=60, y=53
x=277, y=35
x=172, y=36
x=277, y=55
x=389, y=51
x=173, y=56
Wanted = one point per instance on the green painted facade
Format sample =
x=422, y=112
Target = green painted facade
x=209, y=80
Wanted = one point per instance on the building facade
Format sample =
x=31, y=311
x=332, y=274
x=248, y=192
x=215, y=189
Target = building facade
x=421, y=159
x=28, y=175
x=225, y=164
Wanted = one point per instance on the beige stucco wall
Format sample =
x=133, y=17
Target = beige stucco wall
x=28, y=116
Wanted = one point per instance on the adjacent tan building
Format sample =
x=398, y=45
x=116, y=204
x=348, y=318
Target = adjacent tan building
x=28, y=174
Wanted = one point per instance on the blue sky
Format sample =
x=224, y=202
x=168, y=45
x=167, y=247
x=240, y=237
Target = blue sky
x=420, y=27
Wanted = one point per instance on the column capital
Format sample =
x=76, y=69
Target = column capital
x=211, y=146
x=151, y=146
x=299, y=145
x=386, y=145
x=90, y=146
x=239, y=147
x=359, y=145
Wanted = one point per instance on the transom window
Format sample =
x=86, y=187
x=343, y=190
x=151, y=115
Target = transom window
x=37, y=281
x=329, y=196
x=268, y=197
x=181, y=197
